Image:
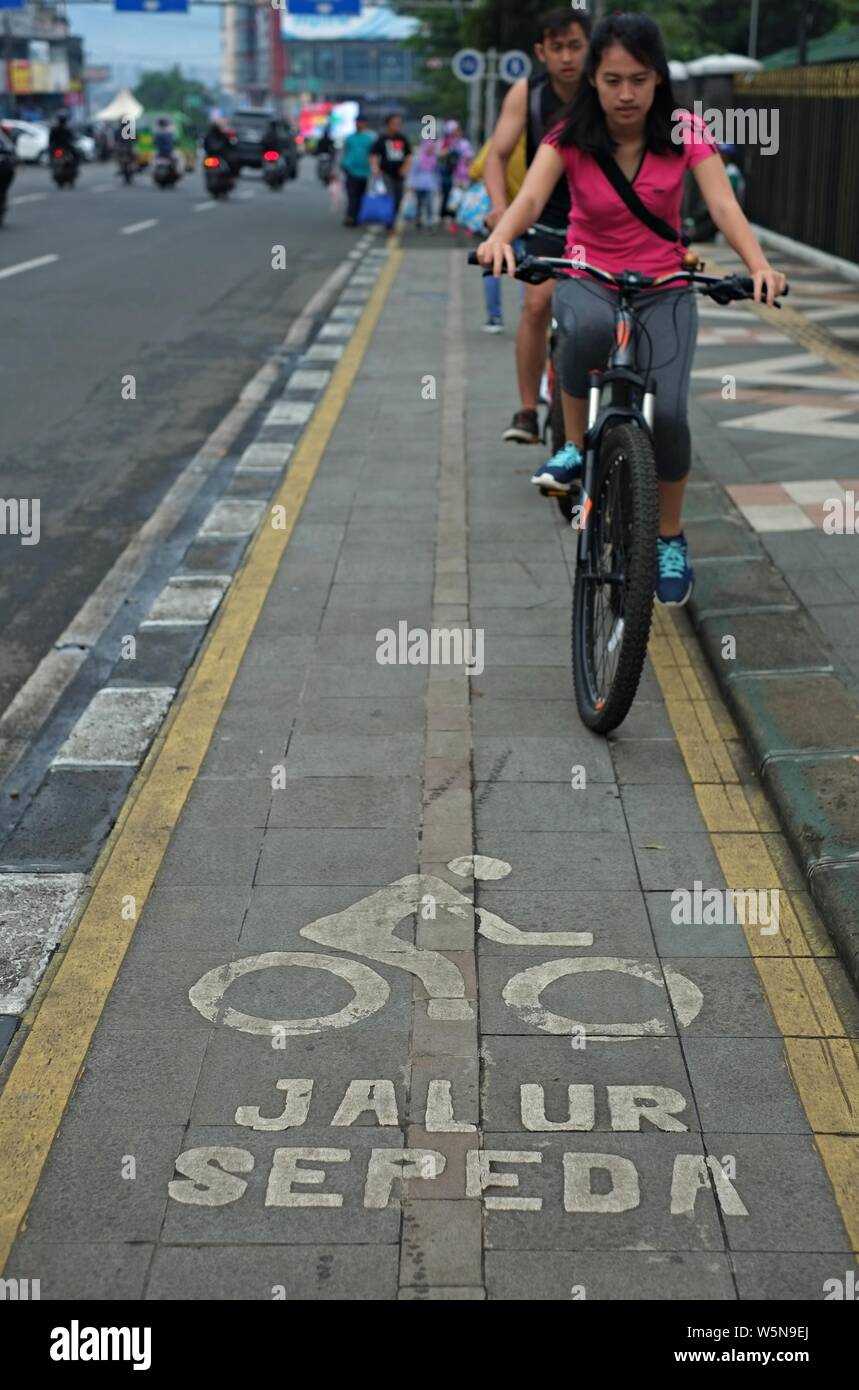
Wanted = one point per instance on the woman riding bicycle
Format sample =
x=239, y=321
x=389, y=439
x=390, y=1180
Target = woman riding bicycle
x=625, y=111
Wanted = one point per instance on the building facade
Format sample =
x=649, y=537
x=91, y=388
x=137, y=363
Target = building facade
x=41, y=63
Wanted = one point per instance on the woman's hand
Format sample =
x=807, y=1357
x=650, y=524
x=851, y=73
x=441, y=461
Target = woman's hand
x=768, y=283
x=496, y=253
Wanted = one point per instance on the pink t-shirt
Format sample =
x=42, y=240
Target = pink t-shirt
x=611, y=236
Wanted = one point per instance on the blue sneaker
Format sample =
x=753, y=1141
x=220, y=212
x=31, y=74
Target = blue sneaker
x=561, y=471
x=676, y=577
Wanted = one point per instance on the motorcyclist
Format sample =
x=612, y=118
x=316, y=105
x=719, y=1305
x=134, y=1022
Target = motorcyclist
x=272, y=139
x=216, y=141
x=164, y=140
x=61, y=136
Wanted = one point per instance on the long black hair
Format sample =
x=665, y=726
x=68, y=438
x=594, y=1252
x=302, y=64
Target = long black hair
x=584, y=124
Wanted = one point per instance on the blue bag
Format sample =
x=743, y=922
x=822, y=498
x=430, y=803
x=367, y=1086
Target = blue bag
x=377, y=205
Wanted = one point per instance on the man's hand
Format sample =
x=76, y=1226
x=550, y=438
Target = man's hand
x=768, y=284
x=497, y=254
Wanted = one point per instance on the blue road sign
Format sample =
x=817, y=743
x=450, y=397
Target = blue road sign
x=153, y=6
x=514, y=65
x=324, y=7
x=469, y=64
x=11, y=4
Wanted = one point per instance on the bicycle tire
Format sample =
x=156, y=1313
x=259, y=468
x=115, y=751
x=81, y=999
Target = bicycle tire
x=626, y=478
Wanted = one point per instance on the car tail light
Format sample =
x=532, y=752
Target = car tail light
x=211, y=161
x=271, y=154
x=58, y=154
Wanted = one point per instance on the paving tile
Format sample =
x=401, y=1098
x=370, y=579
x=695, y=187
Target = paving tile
x=362, y=718
x=616, y=920
x=191, y=918
x=317, y=755
x=640, y=1276
x=801, y=1278
x=734, y=1002
x=83, y=1192
x=585, y=862
x=441, y=1244
x=542, y=759
x=250, y=1220
x=645, y=1193
x=673, y=809
x=371, y=858
x=744, y=1084
x=676, y=859
x=241, y=1071
x=295, y=1273
x=675, y=939
x=589, y=999
x=555, y=1063
x=195, y=858
x=536, y=806
x=102, y=1271
x=783, y=1185
x=359, y=802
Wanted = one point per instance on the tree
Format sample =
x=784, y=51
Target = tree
x=168, y=90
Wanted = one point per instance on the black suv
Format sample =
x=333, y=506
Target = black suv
x=250, y=126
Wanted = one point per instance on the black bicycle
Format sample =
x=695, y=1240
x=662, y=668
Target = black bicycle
x=616, y=513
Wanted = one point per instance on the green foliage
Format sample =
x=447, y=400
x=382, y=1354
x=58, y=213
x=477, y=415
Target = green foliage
x=170, y=91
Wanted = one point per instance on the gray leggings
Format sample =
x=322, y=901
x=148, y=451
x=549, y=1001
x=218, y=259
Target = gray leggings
x=585, y=311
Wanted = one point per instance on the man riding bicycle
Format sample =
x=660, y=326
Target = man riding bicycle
x=532, y=105
x=623, y=144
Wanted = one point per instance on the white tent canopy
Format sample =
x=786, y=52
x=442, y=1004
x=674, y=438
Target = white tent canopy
x=124, y=106
x=719, y=64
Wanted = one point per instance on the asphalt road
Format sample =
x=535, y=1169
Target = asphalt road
x=188, y=303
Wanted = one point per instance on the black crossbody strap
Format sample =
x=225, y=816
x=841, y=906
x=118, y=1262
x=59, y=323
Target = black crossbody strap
x=624, y=189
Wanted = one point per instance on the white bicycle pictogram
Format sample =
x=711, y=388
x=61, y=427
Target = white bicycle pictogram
x=367, y=929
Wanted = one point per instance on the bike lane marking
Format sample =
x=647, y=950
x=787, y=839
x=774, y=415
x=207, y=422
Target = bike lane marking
x=64, y=1015
x=821, y=1056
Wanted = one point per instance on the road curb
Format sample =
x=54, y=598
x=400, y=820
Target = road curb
x=800, y=722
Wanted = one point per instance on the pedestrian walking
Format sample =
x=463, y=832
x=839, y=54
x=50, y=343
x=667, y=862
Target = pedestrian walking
x=425, y=182
x=355, y=167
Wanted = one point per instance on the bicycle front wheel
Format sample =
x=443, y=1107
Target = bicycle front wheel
x=613, y=599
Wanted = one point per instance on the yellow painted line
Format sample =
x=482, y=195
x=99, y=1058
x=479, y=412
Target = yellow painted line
x=823, y=1061
x=793, y=324
x=43, y=1075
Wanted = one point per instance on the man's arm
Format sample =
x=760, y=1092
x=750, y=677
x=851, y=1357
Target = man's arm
x=511, y=123
x=375, y=153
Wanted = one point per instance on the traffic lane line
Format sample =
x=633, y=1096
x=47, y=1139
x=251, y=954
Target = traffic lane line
x=821, y=1057
x=67, y=1008
x=27, y=198
x=27, y=265
x=134, y=227
x=205, y=207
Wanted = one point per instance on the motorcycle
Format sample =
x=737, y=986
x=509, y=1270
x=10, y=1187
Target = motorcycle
x=219, y=176
x=324, y=167
x=165, y=174
x=273, y=169
x=64, y=168
x=127, y=160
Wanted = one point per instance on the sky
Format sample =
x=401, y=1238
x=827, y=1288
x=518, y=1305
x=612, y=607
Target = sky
x=129, y=42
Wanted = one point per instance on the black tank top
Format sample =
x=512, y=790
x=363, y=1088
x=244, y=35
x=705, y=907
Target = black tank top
x=556, y=213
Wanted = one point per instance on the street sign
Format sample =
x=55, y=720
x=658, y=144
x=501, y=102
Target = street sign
x=326, y=8
x=153, y=6
x=11, y=4
x=469, y=65
x=514, y=64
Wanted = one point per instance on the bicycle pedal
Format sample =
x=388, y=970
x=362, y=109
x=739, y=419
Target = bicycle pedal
x=554, y=492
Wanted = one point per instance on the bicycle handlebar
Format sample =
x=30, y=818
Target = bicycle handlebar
x=721, y=288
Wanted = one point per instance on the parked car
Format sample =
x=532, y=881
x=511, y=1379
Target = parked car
x=31, y=141
x=251, y=125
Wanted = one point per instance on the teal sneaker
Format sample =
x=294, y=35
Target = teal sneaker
x=676, y=577
x=561, y=471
